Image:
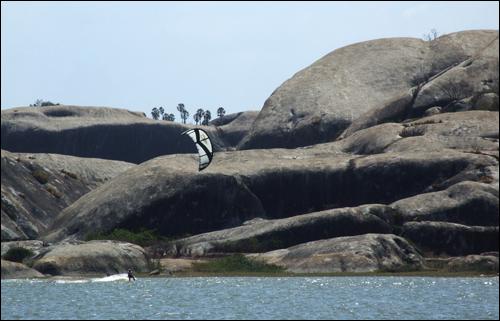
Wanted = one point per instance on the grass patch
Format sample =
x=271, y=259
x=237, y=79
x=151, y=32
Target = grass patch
x=236, y=263
x=143, y=237
x=18, y=254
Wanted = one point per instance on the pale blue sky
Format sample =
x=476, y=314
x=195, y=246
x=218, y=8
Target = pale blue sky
x=205, y=55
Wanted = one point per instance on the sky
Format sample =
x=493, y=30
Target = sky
x=140, y=55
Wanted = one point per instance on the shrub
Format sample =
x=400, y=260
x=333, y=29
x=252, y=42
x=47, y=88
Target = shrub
x=42, y=103
x=70, y=174
x=52, y=190
x=41, y=176
x=143, y=237
x=251, y=245
x=236, y=263
x=18, y=254
x=412, y=131
x=49, y=103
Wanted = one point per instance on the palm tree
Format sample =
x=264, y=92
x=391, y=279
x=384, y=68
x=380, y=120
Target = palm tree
x=169, y=117
x=184, y=113
x=221, y=112
x=206, y=117
x=198, y=116
x=155, y=113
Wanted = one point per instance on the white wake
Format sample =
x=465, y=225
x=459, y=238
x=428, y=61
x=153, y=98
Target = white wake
x=112, y=278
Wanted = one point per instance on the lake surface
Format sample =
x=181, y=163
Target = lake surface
x=253, y=298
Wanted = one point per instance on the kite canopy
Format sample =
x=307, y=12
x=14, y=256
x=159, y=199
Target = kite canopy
x=203, y=144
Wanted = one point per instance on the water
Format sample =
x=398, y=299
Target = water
x=253, y=298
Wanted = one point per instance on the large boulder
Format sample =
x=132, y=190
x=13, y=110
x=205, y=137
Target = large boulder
x=261, y=235
x=234, y=127
x=475, y=263
x=467, y=203
x=92, y=258
x=471, y=82
x=384, y=75
x=169, y=194
x=475, y=75
x=362, y=253
x=443, y=238
x=13, y=270
x=36, y=187
x=472, y=131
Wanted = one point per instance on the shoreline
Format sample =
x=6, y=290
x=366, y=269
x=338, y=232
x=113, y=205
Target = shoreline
x=330, y=274
x=192, y=274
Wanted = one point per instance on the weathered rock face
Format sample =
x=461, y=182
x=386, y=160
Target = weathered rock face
x=481, y=263
x=167, y=199
x=362, y=253
x=451, y=239
x=13, y=270
x=473, y=131
x=169, y=195
x=35, y=246
x=319, y=102
x=107, y=133
x=417, y=160
x=36, y=187
x=261, y=235
x=234, y=127
x=475, y=75
x=94, y=257
x=468, y=203
x=469, y=85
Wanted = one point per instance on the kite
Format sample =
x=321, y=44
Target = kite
x=203, y=144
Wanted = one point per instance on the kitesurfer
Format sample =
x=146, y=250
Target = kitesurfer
x=130, y=275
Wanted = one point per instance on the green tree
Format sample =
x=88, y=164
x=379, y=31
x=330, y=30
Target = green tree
x=161, y=110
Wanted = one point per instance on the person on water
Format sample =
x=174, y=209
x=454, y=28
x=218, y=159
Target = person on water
x=130, y=275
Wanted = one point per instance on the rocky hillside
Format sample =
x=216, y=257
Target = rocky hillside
x=377, y=81
x=36, y=187
x=107, y=133
x=272, y=183
x=397, y=170
x=234, y=127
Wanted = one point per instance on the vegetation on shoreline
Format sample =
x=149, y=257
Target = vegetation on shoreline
x=236, y=263
x=425, y=273
x=143, y=237
x=18, y=254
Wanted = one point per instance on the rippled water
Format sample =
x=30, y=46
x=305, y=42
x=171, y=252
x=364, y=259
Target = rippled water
x=253, y=298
